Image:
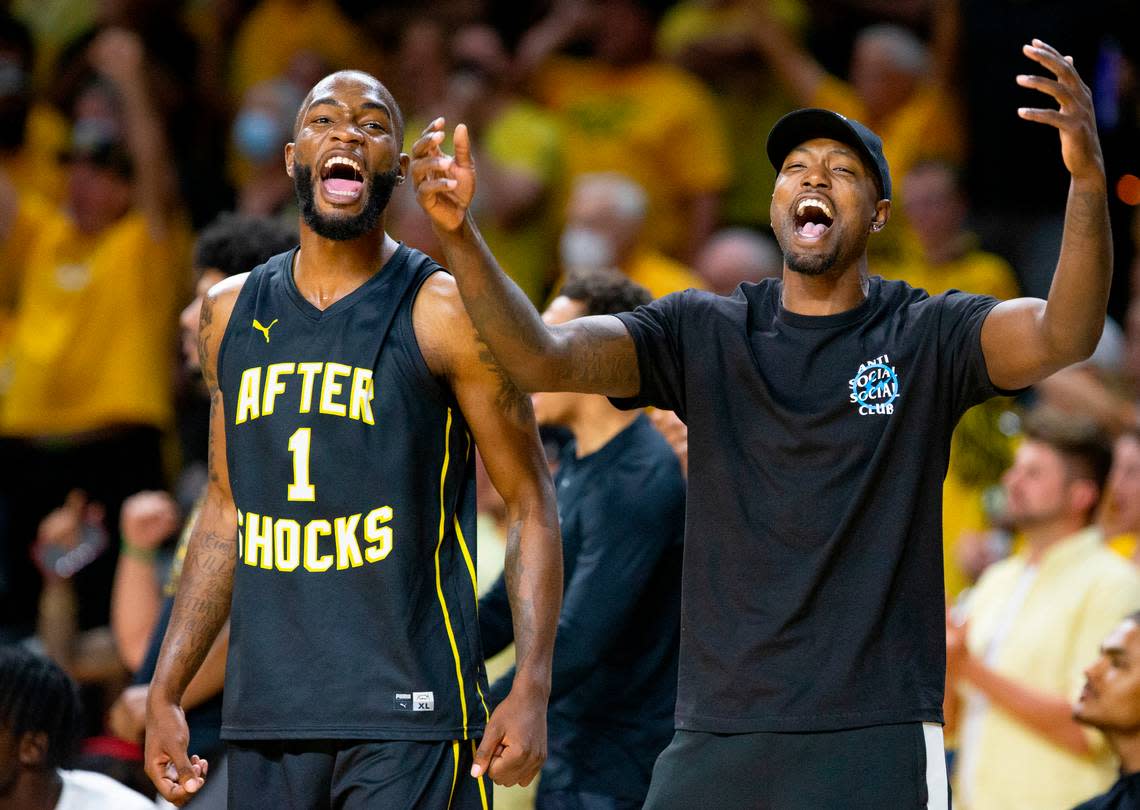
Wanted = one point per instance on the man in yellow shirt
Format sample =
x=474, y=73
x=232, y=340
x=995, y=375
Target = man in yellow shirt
x=605, y=228
x=1017, y=647
x=624, y=110
x=87, y=389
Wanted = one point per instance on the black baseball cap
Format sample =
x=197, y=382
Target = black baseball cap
x=803, y=125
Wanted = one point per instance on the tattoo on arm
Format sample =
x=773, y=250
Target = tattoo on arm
x=522, y=610
x=203, y=601
x=205, y=335
x=509, y=399
x=601, y=359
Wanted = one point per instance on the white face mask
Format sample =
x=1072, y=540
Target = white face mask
x=581, y=247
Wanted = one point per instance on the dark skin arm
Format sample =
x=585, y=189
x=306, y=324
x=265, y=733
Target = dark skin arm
x=1027, y=339
x=501, y=419
x=203, y=601
x=592, y=355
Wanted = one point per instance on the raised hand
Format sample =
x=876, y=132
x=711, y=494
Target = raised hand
x=444, y=184
x=148, y=518
x=1075, y=120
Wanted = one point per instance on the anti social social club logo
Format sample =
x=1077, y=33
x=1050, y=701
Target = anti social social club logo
x=875, y=387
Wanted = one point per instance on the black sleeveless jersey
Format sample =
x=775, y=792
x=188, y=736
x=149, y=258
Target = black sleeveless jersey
x=352, y=470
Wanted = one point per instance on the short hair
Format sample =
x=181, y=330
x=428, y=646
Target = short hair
x=1082, y=444
x=237, y=243
x=604, y=292
x=385, y=93
x=908, y=52
x=629, y=197
x=37, y=696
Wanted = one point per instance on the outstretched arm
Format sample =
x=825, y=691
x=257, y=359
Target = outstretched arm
x=502, y=421
x=120, y=56
x=594, y=354
x=1027, y=339
x=203, y=601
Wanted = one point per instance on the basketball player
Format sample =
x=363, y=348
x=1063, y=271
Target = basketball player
x=820, y=409
x=348, y=389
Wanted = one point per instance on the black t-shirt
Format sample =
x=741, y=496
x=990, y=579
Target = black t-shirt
x=614, y=681
x=812, y=586
x=1124, y=795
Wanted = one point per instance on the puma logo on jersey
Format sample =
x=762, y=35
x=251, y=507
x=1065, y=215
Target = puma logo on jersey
x=263, y=329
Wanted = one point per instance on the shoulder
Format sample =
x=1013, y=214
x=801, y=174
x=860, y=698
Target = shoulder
x=995, y=580
x=220, y=298
x=443, y=329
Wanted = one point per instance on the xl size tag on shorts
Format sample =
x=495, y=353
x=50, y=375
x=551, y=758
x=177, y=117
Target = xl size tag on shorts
x=415, y=701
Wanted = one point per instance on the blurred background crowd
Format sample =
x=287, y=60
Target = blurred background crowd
x=141, y=160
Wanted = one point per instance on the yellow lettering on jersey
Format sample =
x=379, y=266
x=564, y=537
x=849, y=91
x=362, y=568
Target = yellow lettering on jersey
x=360, y=401
x=286, y=544
x=273, y=385
x=259, y=541
x=331, y=388
x=314, y=560
x=347, y=549
x=308, y=372
x=248, y=399
x=283, y=543
x=376, y=532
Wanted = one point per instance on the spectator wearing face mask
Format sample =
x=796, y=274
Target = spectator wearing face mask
x=605, y=228
x=258, y=136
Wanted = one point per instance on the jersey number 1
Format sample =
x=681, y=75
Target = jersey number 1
x=299, y=445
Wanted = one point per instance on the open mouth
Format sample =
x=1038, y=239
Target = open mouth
x=342, y=178
x=813, y=217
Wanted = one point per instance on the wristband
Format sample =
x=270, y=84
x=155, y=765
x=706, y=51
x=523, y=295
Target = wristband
x=129, y=549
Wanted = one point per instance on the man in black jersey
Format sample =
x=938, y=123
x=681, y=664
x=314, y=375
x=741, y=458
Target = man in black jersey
x=347, y=387
x=820, y=409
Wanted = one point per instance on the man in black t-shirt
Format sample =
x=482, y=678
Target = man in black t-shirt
x=820, y=409
x=1110, y=702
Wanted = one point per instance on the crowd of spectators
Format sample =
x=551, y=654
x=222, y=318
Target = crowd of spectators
x=621, y=135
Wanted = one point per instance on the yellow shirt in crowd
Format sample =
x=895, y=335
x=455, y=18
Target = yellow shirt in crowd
x=660, y=274
x=652, y=122
x=277, y=30
x=93, y=344
x=1039, y=626
x=526, y=138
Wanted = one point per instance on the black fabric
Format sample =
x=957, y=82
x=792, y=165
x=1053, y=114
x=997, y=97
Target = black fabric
x=857, y=769
x=34, y=479
x=813, y=596
x=1124, y=795
x=353, y=612
x=353, y=775
x=580, y=800
x=613, y=686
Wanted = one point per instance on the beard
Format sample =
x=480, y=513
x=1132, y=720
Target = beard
x=378, y=189
x=812, y=264
x=844, y=251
